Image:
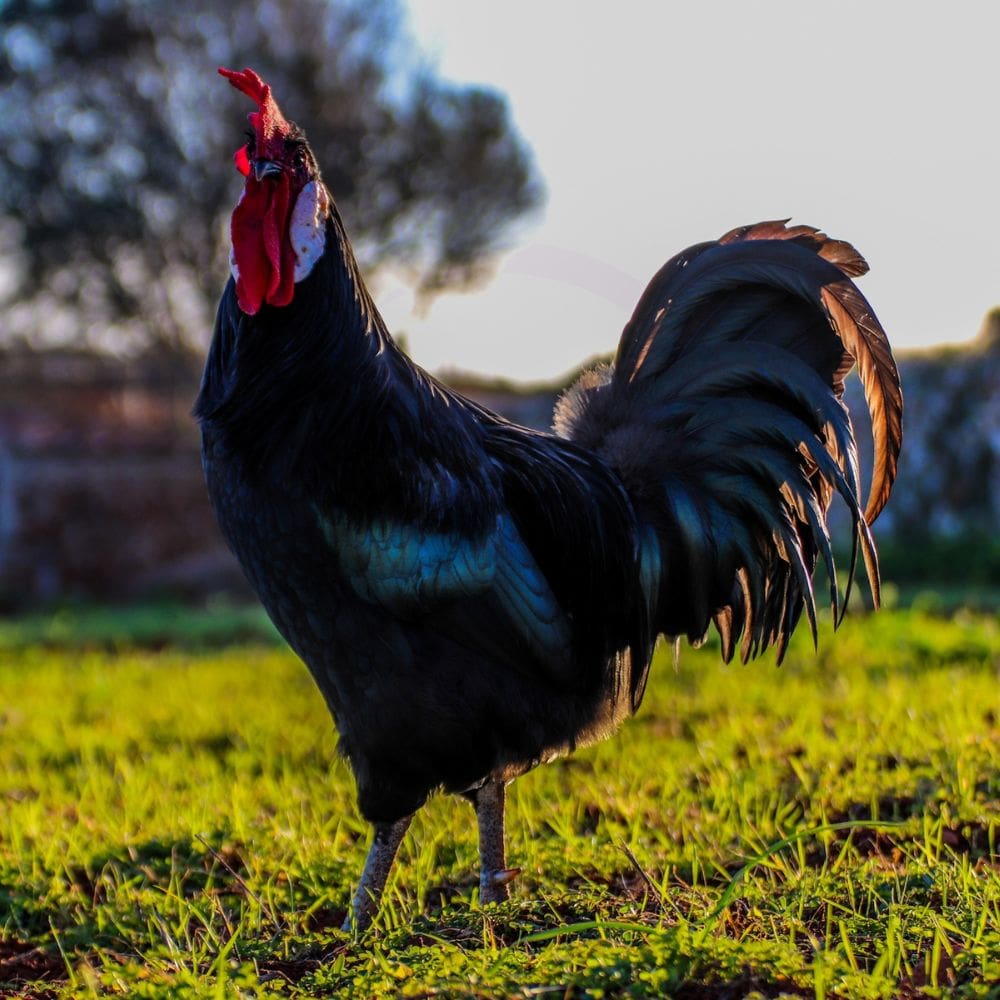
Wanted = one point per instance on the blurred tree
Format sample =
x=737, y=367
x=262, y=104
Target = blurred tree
x=116, y=181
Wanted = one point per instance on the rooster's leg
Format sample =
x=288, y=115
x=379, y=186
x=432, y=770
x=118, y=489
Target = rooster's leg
x=364, y=903
x=493, y=871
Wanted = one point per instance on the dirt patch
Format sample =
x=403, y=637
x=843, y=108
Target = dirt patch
x=23, y=963
x=738, y=988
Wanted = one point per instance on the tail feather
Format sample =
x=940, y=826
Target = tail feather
x=723, y=416
x=859, y=329
x=838, y=252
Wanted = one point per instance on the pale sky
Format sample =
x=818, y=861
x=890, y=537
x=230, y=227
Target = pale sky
x=658, y=125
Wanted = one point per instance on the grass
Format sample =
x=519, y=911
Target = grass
x=174, y=823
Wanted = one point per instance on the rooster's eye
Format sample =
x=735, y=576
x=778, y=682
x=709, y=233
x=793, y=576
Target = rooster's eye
x=295, y=146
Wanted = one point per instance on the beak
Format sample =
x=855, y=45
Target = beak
x=266, y=168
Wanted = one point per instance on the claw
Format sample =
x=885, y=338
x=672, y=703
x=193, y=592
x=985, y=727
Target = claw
x=505, y=876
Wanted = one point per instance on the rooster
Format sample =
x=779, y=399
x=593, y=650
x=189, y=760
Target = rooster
x=474, y=598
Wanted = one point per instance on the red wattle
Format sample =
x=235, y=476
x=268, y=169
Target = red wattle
x=265, y=260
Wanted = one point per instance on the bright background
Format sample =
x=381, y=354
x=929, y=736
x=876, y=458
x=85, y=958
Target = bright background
x=660, y=125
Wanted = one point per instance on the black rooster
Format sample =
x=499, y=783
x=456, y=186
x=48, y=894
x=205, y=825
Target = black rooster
x=474, y=598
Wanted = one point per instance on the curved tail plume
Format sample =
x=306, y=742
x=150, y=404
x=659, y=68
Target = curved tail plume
x=723, y=415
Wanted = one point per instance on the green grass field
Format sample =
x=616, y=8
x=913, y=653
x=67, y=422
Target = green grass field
x=174, y=823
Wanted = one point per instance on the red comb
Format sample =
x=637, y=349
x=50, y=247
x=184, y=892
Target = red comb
x=268, y=119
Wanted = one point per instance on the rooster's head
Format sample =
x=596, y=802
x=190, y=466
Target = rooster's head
x=279, y=224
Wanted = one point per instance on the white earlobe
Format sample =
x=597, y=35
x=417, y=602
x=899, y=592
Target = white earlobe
x=232, y=250
x=307, y=227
